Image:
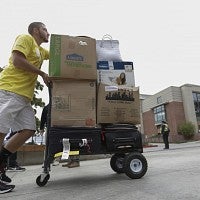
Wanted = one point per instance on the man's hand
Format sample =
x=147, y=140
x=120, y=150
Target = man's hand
x=46, y=79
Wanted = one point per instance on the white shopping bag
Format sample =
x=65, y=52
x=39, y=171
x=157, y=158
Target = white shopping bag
x=107, y=49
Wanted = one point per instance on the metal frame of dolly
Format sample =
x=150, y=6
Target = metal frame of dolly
x=127, y=156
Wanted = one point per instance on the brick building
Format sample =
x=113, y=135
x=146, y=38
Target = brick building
x=176, y=105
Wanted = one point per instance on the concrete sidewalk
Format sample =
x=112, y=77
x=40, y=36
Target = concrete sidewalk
x=160, y=146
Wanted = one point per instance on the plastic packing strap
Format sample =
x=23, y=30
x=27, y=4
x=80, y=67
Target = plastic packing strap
x=66, y=149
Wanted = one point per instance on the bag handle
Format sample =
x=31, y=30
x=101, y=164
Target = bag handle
x=106, y=37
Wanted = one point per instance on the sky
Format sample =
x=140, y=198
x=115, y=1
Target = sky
x=160, y=37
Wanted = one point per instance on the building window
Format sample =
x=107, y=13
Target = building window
x=196, y=99
x=159, y=114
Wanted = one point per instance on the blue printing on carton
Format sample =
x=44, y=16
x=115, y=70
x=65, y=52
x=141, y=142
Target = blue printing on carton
x=74, y=57
x=116, y=65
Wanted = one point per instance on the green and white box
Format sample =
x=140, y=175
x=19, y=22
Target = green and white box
x=72, y=57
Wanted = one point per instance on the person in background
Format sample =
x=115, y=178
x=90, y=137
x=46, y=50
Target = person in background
x=43, y=121
x=17, y=84
x=164, y=130
x=73, y=162
x=12, y=164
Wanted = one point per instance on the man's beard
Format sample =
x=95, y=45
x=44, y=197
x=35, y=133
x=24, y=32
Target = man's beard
x=43, y=38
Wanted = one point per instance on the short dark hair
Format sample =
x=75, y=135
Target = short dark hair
x=34, y=25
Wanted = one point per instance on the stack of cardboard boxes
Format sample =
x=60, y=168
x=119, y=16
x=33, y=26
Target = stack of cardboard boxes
x=118, y=98
x=72, y=66
x=86, y=92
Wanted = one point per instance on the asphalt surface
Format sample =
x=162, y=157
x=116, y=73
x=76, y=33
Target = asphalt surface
x=96, y=174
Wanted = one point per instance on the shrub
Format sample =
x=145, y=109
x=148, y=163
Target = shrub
x=186, y=129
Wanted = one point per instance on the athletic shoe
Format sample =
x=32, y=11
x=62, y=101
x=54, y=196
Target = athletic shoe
x=5, y=188
x=5, y=179
x=16, y=169
x=72, y=164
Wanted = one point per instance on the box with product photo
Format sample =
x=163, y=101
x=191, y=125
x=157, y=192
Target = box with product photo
x=118, y=104
x=116, y=73
x=72, y=57
x=73, y=103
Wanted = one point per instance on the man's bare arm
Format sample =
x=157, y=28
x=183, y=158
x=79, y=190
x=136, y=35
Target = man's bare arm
x=20, y=61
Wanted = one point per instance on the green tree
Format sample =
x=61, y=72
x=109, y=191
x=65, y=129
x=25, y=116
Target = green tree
x=37, y=102
x=186, y=129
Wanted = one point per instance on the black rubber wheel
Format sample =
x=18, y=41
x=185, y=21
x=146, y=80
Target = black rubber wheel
x=116, y=162
x=44, y=182
x=135, y=165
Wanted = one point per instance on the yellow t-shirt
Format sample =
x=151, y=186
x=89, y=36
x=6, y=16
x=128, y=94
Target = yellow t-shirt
x=20, y=81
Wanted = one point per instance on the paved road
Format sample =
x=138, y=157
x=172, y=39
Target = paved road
x=172, y=174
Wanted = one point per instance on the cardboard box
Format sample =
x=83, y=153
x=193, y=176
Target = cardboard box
x=73, y=103
x=118, y=104
x=72, y=57
x=116, y=73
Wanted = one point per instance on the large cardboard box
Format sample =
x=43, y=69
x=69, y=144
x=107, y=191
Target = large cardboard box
x=118, y=104
x=116, y=73
x=73, y=103
x=72, y=57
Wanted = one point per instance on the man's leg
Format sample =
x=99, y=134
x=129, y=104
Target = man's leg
x=12, y=160
x=2, y=136
x=21, y=116
x=4, y=154
x=18, y=140
x=165, y=139
x=13, y=165
x=12, y=145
